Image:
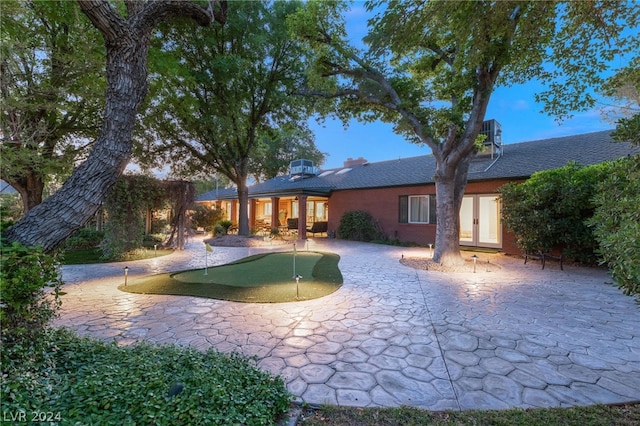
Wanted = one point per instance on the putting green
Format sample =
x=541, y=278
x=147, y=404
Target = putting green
x=263, y=278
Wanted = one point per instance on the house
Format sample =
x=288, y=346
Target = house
x=400, y=193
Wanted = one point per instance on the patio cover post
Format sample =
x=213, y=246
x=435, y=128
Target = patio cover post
x=275, y=212
x=302, y=217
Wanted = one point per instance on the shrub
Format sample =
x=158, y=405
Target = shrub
x=205, y=217
x=25, y=305
x=616, y=222
x=222, y=227
x=84, y=238
x=219, y=231
x=126, y=207
x=86, y=381
x=549, y=210
x=358, y=225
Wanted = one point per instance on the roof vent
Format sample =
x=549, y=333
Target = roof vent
x=493, y=143
x=302, y=168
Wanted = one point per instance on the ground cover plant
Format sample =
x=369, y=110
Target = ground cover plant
x=262, y=278
x=72, y=380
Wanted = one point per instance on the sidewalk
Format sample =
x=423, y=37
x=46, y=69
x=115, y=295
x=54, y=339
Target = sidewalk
x=393, y=335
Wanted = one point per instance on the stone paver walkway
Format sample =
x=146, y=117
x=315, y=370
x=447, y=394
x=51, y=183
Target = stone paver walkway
x=392, y=335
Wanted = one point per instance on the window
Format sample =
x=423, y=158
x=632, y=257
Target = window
x=267, y=208
x=417, y=209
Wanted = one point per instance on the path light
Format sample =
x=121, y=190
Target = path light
x=475, y=259
x=431, y=250
x=155, y=250
x=126, y=272
x=294, y=261
x=297, y=277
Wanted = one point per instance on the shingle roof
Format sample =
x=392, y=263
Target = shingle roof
x=218, y=194
x=518, y=160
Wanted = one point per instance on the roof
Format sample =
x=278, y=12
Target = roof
x=519, y=160
x=218, y=194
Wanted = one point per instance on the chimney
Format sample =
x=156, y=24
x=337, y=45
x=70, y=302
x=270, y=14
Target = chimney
x=358, y=161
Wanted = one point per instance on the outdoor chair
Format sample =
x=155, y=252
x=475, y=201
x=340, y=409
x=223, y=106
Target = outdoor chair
x=318, y=228
x=292, y=224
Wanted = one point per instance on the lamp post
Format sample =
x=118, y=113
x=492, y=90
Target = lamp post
x=475, y=259
x=126, y=273
x=297, y=277
x=294, y=260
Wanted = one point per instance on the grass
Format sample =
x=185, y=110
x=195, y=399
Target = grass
x=596, y=415
x=94, y=255
x=263, y=278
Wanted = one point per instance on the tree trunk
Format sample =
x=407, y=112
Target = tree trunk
x=30, y=186
x=450, y=184
x=127, y=43
x=243, y=202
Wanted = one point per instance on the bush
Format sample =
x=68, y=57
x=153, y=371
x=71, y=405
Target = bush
x=86, y=381
x=219, y=231
x=358, y=225
x=616, y=222
x=84, y=238
x=25, y=305
x=222, y=228
x=205, y=217
x=549, y=210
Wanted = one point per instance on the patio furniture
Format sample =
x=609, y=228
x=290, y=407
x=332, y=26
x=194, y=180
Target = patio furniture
x=544, y=257
x=292, y=224
x=318, y=227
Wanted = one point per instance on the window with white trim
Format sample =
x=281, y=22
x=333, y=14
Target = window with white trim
x=417, y=209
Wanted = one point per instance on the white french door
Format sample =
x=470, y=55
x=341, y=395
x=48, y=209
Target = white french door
x=480, y=221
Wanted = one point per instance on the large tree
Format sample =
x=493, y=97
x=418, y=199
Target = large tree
x=623, y=89
x=275, y=149
x=227, y=89
x=52, y=87
x=431, y=66
x=126, y=28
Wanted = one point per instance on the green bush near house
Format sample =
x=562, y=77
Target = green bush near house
x=205, y=217
x=616, y=222
x=358, y=225
x=549, y=211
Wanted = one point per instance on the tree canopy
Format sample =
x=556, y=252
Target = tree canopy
x=52, y=85
x=430, y=69
x=225, y=95
x=126, y=29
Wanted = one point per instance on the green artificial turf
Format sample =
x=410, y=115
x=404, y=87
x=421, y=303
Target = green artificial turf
x=263, y=278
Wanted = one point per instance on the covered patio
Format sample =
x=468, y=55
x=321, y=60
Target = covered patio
x=296, y=212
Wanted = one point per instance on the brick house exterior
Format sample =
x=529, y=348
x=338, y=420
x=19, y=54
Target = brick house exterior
x=400, y=193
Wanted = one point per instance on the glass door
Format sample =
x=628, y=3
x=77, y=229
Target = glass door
x=480, y=221
x=467, y=221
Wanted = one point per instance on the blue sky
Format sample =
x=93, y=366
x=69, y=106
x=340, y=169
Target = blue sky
x=513, y=107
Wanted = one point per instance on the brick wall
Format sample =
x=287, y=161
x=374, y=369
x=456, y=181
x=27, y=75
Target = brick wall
x=382, y=204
